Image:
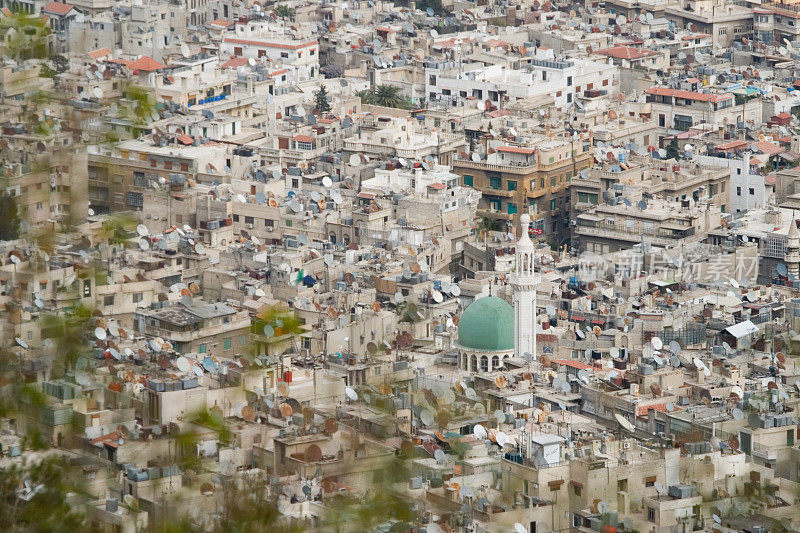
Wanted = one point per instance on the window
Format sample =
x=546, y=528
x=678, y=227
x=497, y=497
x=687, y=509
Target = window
x=139, y=179
x=511, y=209
x=738, y=191
x=512, y=185
x=650, y=481
x=248, y=220
x=468, y=181
x=201, y=348
x=495, y=183
x=622, y=485
x=752, y=191
x=553, y=204
x=723, y=31
x=790, y=438
x=87, y=288
x=108, y=300
x=242, y=340
x=651, y=515
x=137, y=297
x=226, y=344
x=135, y=199
x=569, y=81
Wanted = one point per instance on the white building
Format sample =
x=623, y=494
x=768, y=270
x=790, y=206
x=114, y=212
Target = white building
x=541, y=77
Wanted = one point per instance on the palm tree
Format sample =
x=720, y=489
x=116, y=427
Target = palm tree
x=387, y=96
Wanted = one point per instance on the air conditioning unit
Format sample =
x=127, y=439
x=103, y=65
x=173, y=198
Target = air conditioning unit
x=249, y=226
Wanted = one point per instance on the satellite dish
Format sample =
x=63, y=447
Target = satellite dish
x=351, y=393
x=97, y=92
x=100, y=333
x=481, y=105
x=624, y=422
x=326, y=181
x=519, y=528
x=183, y=364
x=660, y=488
x=479, y=431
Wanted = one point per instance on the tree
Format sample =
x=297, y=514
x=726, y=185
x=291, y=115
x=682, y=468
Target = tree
x=9, y=221
x=321, y=100
x=672, y=149
x=48, y=509
x=388, y=96
x=485, y=227
x=331, y=70
x=284, y=12
x=436, y=5
x=24, y=36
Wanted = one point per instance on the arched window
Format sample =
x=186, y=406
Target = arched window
x=495, y=362
x=474, y=363
x=484, y=363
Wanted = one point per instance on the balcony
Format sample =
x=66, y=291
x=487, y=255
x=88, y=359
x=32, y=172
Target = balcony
x=481, y=165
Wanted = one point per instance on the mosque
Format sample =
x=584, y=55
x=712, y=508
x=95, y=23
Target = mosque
x=490, y=329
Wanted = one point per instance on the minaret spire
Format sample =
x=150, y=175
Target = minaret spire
x=524, y=281
x=792, y=256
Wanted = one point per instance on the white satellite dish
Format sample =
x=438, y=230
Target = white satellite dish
x=501, y=439
x=97, y=92
x=100, y=333
x=351, y=393
x=354, y=160
x=519, y=528
x=657, y=344
x=479, y=431
x=142, y=230
x=326, y=181
x=624, y=422
x=183, y=364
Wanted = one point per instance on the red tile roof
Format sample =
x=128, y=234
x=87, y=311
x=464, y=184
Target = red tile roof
x=733, y=145
x=185, y=139
x=515, y=150
x=303, y=138
x=437, y=186
x=220, y=22
x=235, y=62
x=146, y=64
x=626, y=52
x=101, y=52
x=689, y=95
x=767, y=147
x=694, y=36
x=58, y=8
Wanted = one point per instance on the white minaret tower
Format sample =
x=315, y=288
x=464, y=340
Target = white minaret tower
x=792, y=255
x=524, y=282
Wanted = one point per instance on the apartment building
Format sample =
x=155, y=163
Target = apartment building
x=675, y=109
x=776, y=21
x=46, y=175
x=615, y=226
x=496, y=84
x=532, y=178
x=214, y=329
x=299, y=57
x=725, y=21
x=120, y=176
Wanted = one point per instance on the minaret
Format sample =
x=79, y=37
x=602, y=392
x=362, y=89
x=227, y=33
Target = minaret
x=524, y=282
x=792, y=256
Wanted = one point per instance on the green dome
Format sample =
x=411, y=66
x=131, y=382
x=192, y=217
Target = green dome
x=487, y=325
